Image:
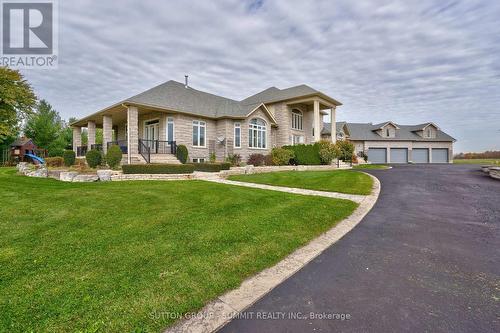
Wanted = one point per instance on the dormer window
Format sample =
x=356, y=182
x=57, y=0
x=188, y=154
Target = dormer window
x=429, y=132
x=387, y=133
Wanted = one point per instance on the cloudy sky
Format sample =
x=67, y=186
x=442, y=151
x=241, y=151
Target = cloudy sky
x=406, y=61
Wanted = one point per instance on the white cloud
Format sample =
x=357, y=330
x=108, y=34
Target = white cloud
x=406, y=61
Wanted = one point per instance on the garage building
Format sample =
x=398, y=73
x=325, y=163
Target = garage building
x=393, y=143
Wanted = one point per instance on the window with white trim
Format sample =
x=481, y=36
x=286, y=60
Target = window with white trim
x=297, y=118
x=429, y=132
x=199, y=128
x=387, y=132
x=257, y=133
x=237, y=135
x=198, y=160
x=297, y=139
x=170, y=129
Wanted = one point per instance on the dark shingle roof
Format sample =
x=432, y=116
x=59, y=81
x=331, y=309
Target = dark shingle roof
x=274, y=94
x=20, y=142
x=366, y=132
x=327, y=129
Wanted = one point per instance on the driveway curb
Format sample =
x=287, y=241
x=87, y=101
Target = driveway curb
x=220, y=311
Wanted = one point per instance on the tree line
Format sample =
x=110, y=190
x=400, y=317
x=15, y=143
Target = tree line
x=22, y=113
x=484, y=155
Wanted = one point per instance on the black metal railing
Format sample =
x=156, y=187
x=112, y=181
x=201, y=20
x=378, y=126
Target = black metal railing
x=96, y=146
x=120, y=143
x=81, y=151
x=161, y=147
x=145, y=151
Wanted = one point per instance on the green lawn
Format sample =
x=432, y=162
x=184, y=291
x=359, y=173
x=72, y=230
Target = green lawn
x=343, y=181
x=370, y=166
x=121, y=256
x=477, y=161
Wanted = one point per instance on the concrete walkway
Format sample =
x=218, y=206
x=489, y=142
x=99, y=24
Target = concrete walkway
x=335, y=195
x=228, y=306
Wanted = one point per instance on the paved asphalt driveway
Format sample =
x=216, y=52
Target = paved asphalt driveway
x=426, y=258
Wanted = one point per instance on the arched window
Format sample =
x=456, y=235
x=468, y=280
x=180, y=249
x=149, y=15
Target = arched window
x=257, y=133
x=297, y=119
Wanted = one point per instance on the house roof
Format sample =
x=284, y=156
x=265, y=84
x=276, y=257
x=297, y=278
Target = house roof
x=367, y=132
x=173, y=95
x=20, y=142
x=327, y=129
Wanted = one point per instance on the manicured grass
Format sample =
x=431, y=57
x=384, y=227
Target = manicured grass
x=342, y=181
x=370, y=166
x=123, y=256
x=477, y=161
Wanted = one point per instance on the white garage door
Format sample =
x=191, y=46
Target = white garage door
x=440, y=155
x=399, y=155
x=377, y=155
x=420, y=155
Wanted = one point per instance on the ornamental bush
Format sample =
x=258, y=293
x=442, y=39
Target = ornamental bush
x=182, y=153
x=328, y=151
x=234, y=159
x=56, y=161
x=211, y=167
x=114, y=156
x=69, y=157
x=305, y=154
x=157, y=168
x=93, y=158
x=281, y=156
x=346, y=150
x=256, y=159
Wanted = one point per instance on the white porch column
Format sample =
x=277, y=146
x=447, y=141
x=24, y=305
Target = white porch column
x=333, y=124
x=107, y=132
x=132, y=132
x=316, y=122
x=90, y=134
x=77, y=138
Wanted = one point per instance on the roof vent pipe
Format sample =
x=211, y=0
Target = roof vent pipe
x=186, y=81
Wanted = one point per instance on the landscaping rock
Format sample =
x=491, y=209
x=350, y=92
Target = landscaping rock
x=495, y=172
x=56, y=174
x=67, y=176
x=104, y=175
x=85, y=178
x=486, y=168
x=39, y=172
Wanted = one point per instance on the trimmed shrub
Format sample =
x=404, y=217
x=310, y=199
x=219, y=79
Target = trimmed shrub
x=211, y=167
x=328, y=151
x=234, y=159
x=346, y=150
x=281, y=156
x=256, y=159
x=305, y=154
x=182, y=153
x=268, y=160
x=94, y=158
x=157, y=168
x=114, y=156
x=54, y=161
x=69, y=157
x=213, y=157
x=56, y=152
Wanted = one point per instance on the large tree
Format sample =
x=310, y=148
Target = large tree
x=47, y=129
x=16, y=102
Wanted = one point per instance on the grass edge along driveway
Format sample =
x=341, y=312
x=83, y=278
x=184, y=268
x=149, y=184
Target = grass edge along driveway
x=131, y=256
x=342, y=181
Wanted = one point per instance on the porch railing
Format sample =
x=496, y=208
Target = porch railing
x=120, y=143
x=96, y=146
x=81, y=151
x=161, y=147
x=145, y=151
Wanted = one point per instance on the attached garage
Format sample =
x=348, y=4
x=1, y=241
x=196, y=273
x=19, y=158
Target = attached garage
x=399, y=155
x=377, y=155
x=440, y=155
x=420, y=155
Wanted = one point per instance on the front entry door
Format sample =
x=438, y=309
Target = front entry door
x=151, y=134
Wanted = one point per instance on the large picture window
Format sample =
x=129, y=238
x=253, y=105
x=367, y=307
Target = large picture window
x=297, y=118
x=237, y=135
x=257, y=133
x=199, y=133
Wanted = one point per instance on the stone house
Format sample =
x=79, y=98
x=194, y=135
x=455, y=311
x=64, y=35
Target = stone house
x=149, y=126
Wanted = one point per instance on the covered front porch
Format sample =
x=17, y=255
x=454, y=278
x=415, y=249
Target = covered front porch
x=143, y=134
